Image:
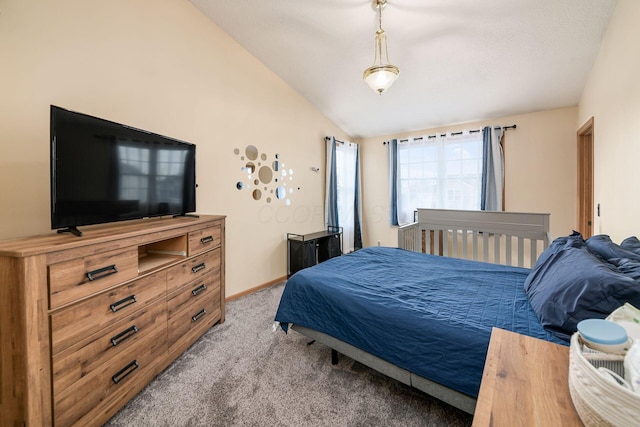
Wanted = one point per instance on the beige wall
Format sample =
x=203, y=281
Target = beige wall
x=612, y=98
x=540, y=171
x=163, y=67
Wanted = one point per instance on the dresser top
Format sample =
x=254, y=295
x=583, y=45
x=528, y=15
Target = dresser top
x=95, y=234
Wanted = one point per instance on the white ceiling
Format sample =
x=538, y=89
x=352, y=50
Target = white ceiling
x=459, y=60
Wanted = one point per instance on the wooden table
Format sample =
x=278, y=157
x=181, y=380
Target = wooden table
x=525, y=383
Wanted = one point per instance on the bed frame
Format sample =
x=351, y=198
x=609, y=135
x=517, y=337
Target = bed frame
x=499, y=237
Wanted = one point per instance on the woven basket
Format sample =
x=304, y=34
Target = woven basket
x=598, y=400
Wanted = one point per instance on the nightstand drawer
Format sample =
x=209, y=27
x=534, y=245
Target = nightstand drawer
x=207, y=238
x=81, y=277
x=74, y=323
x=193, y=269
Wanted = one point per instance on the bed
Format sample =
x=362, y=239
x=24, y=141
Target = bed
x=423, y=313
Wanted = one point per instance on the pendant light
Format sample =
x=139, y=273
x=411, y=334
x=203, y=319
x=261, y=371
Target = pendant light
x=380, y=76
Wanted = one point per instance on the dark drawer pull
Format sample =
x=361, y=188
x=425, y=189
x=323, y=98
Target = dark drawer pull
x=206, y=240
x=124, y=335
x=125, y=302
x=102, y=272
x=198, y=267
x=122, y=373
x=199, y=290
x=198, y=315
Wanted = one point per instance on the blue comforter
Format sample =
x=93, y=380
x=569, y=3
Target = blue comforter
x=427, y=314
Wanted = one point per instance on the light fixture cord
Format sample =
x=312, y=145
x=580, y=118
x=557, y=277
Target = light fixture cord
x=380, y=33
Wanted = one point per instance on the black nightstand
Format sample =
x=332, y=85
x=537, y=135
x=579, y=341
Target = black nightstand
x=305, y=250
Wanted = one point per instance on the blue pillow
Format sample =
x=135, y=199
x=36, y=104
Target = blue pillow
x=627, y=261
x=602, y=246
x=569, y=284
x=630, y=267
x=546, y=257
x=632, y=244
x=561, y=243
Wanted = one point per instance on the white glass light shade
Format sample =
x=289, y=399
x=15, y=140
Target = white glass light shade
x=381, y=77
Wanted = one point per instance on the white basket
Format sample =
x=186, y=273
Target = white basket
x=598, y=400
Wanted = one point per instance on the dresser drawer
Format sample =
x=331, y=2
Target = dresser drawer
x=128, y=370
x=198, y=290
x=78, y=278
x=193, y=269
x=74, y=323
x=79, y=360
x=198, y=314
x=207, y=238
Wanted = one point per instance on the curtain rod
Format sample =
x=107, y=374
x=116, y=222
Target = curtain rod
x=327, y=138
x=456, y=133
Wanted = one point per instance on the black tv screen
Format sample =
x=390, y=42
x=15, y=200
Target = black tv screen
x=102, y=171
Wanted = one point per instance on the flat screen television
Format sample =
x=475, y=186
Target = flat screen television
x=102, y=171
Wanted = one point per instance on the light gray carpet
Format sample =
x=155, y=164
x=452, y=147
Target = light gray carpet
x=241, y=373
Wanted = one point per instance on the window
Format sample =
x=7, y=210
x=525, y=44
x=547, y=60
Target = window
x=346, y=183
x=443, y=172
x=342, y=203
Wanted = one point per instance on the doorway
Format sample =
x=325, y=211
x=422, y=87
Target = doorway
x=585, y=179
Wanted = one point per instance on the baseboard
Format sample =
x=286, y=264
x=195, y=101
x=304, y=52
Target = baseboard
x=256, y=289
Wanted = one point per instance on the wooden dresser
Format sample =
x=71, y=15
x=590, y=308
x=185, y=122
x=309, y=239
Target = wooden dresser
x=86, y=322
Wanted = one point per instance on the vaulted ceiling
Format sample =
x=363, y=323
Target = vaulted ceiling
x=459, y=60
